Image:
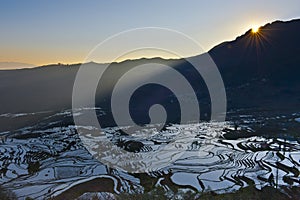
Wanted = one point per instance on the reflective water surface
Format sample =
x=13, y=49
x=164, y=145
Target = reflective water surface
x=51, y=161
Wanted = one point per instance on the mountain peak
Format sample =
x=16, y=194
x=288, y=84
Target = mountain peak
x=271, y=52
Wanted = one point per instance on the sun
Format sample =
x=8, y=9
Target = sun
x=255, y=29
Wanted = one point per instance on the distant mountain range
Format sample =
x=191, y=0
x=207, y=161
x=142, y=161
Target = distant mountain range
x=15, y=65
x=260, y=71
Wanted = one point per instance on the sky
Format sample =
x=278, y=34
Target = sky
x=63, y=31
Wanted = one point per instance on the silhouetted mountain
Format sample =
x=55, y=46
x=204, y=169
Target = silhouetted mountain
x=260, y=71
x=263, y=68
x=272, y=53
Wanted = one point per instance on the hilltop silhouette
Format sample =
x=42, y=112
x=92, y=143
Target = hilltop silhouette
x=263, y=68
x=272, y=53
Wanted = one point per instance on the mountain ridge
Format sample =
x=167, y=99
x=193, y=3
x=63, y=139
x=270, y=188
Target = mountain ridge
x=263, y=69
x=211, y=51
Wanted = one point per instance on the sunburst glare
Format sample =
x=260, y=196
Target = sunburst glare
x=255, y=29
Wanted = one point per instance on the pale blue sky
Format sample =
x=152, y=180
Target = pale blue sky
x=42, y=32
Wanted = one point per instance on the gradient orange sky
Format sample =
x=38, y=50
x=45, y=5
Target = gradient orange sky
x=61, y=31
